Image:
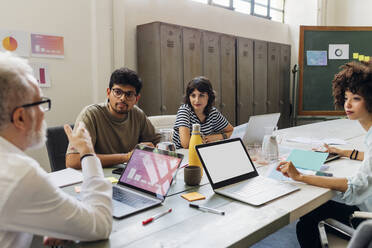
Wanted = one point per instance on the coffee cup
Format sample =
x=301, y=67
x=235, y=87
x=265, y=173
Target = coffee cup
x=192, y=175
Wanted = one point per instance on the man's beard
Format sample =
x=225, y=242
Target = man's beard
x=37, y=138
x=119, y=111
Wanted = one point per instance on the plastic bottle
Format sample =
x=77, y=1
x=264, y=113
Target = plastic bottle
x=195, y=139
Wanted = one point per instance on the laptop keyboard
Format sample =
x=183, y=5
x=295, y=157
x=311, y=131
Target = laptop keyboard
x=256, y=187
x=129, y=198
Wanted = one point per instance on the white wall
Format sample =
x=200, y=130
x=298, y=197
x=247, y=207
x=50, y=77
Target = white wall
x=299, y=12
x=101, y=35
x=197, y=15
x=349, y=13
x=81, y=77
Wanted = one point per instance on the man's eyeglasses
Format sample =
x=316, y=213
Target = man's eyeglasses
x=45, y=105
x=129, y=95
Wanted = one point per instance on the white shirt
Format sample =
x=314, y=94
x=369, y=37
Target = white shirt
x=31, y=204
x=359, y=191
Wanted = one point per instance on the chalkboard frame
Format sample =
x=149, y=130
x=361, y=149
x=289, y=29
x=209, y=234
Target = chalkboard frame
x=301, y=61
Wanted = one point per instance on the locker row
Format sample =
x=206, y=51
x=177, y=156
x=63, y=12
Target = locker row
x=250, y=77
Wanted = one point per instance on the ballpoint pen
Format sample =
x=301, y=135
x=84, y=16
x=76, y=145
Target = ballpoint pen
x=156, y=217
x=211, y=210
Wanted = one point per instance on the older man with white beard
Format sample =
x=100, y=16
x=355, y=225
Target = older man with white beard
x=29, y=202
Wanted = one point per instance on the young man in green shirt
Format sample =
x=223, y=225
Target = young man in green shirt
x=117, y=125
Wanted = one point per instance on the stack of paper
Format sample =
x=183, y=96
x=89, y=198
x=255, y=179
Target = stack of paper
x=329, y=141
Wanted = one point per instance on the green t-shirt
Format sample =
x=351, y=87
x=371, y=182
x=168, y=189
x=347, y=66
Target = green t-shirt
x=112, y=135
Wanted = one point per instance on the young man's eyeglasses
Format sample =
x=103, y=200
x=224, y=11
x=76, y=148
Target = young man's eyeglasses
x=129, y=95
x=45, y=105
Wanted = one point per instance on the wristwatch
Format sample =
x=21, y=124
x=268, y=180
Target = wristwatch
x=224, y=135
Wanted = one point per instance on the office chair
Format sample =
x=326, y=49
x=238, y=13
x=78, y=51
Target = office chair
x=361, y=237
x=56, y=144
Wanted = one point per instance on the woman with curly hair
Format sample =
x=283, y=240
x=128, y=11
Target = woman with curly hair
x=198, y=109
x=352, y=89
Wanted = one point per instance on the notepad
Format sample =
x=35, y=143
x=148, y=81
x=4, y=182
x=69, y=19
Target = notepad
x=307, y=160
x=193, y=196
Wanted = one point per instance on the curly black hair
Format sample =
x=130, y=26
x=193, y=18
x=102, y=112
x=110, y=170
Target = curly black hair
x=202, y=84
x=355, y=77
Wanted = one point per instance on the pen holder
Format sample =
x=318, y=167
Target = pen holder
x=192, y=175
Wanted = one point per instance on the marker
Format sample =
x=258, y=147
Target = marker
x=211, y=210
x=156, y=217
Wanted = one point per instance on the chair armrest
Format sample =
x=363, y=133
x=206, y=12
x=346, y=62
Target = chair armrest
x=322, y=235
x=361, y=215
x=362, y=236
x=336, y=225
x=342, y=228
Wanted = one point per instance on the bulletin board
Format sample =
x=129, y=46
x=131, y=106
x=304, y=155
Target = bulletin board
x=322, y=51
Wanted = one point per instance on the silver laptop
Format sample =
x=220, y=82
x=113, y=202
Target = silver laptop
x=232, y=173
x=253, y=131
x=145, y=180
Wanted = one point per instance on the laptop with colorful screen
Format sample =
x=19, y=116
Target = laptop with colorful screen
x=145, y=180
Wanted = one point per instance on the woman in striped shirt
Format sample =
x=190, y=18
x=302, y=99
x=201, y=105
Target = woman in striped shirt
x=198, y=109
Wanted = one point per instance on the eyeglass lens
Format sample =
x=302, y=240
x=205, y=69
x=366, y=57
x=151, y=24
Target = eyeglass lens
x=128, y=94
x=45, y=106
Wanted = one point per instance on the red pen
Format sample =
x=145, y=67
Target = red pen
x=156, y=217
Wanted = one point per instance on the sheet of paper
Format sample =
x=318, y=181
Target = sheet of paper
x=333, y=141
x=66, y=177
x=274, y=174
x=329, y=141
x=307, y=160
x=338, y=51
x=355, y=55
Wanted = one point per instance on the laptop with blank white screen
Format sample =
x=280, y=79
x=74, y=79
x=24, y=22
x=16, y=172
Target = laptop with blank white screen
x=232, y=173
x=145, y=180
x=253, y=131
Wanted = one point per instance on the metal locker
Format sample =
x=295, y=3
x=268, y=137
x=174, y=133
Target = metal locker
x=228, y=99
x=148, y=64
x=192, y=54
x=260, y=78
x=211, y=62
x=244, y=79
x=171, y=67
x=273, y=77
x=284, y=85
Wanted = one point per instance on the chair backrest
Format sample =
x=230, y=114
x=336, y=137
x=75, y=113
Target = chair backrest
x=362, y=236
x=162, y=121
x=56, y=144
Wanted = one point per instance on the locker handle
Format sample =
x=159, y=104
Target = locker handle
x=268, y=103
x=254, y=103
x=223, y=105
x=163, y=108
x=281, y=102
x=240, y=104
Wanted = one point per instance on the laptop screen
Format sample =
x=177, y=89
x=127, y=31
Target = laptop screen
x=255, y=129
x=225, y=160
x=151, y=170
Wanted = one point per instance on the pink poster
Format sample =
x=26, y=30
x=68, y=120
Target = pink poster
x=47, y=46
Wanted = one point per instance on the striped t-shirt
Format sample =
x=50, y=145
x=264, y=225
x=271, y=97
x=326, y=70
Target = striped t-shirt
x=214, y=123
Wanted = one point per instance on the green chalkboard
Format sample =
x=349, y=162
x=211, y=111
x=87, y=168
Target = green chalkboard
x=315, y=81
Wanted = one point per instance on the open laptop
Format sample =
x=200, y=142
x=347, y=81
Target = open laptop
x=145, y=180
x=232, y=173
x=253, y=131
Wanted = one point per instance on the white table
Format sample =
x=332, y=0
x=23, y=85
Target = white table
x=243, y=224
